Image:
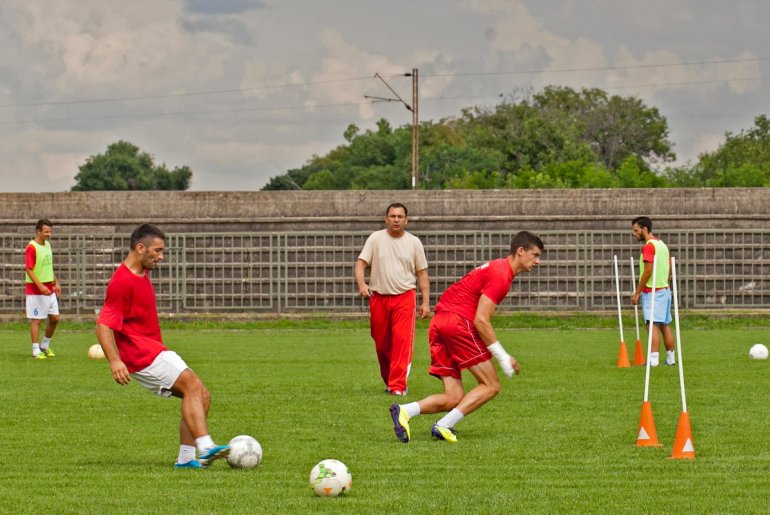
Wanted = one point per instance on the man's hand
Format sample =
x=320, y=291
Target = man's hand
x=515, y=365
x=120, y=372
x=364, y=291
x=424, y=310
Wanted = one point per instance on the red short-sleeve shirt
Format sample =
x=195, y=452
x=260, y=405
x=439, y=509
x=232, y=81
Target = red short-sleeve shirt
x=492, y=279
x=129, y=310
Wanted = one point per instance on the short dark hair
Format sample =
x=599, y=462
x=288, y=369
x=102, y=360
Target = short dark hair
x=43, y=222
x=525, y=240
x=144, y=232
x=396, y=205
x=643, y=221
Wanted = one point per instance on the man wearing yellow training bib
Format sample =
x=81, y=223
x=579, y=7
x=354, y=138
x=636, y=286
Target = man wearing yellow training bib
x=42, y=289
x=658, y=286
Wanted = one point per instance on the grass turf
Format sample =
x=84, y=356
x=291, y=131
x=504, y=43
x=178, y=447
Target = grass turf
x=559, y=438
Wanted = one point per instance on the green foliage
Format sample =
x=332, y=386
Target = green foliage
x=742, y=160
x=124, y=167
x=556, y=138
x=559, y=438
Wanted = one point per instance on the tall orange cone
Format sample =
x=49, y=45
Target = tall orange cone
x=683, y=447
x=638, y=354
x=647, y=436
x=623, y=356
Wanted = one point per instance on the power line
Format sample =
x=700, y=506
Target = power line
x=341, y=104
x=599, y=68
x=356, y=79
x=181, y=95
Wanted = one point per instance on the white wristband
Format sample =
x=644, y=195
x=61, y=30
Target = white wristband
x=497, y=350
x=502, y=358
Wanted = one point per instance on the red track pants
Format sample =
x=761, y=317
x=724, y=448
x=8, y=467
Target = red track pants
x=392, y=319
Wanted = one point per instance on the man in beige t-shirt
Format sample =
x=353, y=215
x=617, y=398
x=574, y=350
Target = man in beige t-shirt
x=398, y=264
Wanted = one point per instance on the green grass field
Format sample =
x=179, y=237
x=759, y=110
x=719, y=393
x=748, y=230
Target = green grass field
x=560, y=438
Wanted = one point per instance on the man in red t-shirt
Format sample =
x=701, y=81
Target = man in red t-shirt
x=462, y=337
x=129, y=332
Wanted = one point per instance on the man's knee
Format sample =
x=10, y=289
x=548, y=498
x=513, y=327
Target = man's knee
x=188, y=383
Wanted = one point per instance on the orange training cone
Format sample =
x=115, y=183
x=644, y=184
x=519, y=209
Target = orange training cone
x=683, y=442
x=623, y=356
x=647, y=436
x=638, y=354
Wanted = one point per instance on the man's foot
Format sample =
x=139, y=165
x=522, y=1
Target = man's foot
x=192, y=464
x=40, y=356
x=215, y=453
x=444, y=433
x=669, y=364
x=49, y=353
x=400, y=423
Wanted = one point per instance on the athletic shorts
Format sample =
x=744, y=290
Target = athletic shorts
x=162, y=373
x=454, y=345
x=662, y=306
x=40, y=306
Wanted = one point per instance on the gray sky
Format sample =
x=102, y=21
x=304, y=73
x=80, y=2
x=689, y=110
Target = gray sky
x=242, y=90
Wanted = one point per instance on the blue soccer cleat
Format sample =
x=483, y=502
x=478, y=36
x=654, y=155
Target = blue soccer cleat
x=215, y=453
x=192, y=464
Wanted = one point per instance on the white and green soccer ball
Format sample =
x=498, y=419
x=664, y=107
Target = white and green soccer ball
x=758, y=351
x=330, y=478
x=245, y=452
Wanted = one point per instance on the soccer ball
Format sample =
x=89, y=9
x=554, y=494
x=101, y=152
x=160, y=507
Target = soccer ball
x=758, y=351
x=330, y=478
x=95, y=351
x=245, y=452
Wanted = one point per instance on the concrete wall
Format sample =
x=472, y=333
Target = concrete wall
x=361, y=210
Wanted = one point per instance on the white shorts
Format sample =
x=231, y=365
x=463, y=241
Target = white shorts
x=161, y=375
x=40, y=306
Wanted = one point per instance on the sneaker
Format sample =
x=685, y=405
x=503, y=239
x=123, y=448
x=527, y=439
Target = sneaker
x=400, y=423
x=444, y=433
x=669, y=364
x=215, y=453
x=653, y=363
x=400, y=393
x=192, y=464
x=40, y=356
x=49, y=353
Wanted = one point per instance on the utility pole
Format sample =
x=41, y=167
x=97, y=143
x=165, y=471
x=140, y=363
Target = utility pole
x=415, y=118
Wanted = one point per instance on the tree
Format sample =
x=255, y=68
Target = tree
x=557, y=138
x=124, y=167
x=742, y=160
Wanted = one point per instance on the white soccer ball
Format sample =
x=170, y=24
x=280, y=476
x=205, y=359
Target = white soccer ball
x=245, y=452
x=330, y=478
x=95, y=351
x=758, y=351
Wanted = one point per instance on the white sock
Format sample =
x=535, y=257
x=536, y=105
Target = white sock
x=35, y=349
x=451, y=418
x=186, y=453
x=204, y=443
x=654, y=358
x=670, y=359
x=412, y=409
x=45, y=343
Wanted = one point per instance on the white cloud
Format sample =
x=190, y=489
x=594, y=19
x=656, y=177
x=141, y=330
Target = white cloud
x=58, y=52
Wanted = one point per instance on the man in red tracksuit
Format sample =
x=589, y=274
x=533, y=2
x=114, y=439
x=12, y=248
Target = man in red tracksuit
x=397, y=261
